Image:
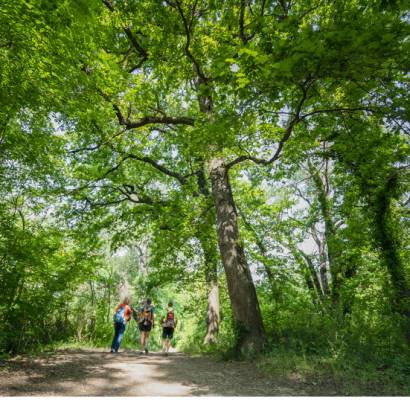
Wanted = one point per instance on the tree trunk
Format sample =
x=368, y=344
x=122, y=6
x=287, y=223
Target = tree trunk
x=322, y=261
x=207, y=238
x=389, y=244
x=108, y=284
x=208, y=244
x=242, y=293
x=212, y=315
x=313, y=278
x=330, y=232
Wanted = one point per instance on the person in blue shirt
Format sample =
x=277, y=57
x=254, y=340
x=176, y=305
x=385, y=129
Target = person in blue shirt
x=122, y=316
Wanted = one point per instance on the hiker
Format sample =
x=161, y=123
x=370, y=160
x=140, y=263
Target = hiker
x=122, y=315
x=168, y=326
x=146, y=323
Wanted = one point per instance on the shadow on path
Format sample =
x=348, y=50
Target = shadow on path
x=98, y=373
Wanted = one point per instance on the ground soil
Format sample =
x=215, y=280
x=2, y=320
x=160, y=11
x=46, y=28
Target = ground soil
x=95, y=372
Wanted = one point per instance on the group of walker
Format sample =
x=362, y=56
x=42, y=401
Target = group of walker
x=144, y=316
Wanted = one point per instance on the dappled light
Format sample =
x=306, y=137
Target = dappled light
x=96, y=373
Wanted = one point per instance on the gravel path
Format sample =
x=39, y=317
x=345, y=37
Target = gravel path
x=95, y=372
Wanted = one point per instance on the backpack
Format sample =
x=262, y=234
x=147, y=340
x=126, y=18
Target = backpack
x=146, y=314
x=119, y=315
x=170, y=320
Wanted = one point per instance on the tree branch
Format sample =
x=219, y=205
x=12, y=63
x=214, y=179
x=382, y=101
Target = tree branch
x=151, y=120
x=131, y=37
x=133, y=40
x=288, y=132
x=187, y=27
x=180, y=178
x=96, y=147
x=133, y=196
x=245, y=38
x=296, y=119
x=241, y=22
x=108, y=4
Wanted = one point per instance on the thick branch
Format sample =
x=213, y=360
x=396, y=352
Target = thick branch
x=262, y=161
x=242, y=34
x=245, y=38
x=134, y=42
x=187, y=27
x=150, y=120
x=108, y=4
x=159, y=167
x=131, y=37
x=296, y=119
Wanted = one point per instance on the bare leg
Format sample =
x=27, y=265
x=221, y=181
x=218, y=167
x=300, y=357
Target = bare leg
x=142, y=340
x=146, y=342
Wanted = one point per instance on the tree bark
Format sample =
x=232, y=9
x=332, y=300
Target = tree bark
x=212, y=315
x=322, y=262
x=245, y=306
x=208, y=244
x=389, y=244
x=207, y=238
x=313, y=275
x=330, y=232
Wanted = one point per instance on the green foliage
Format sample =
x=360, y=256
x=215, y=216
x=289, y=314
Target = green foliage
x=41, y=267
x=331, y=375
x=110, y=113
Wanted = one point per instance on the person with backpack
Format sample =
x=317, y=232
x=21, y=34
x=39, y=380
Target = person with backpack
x=122, y=315
x=168, y=326
x=146, y=323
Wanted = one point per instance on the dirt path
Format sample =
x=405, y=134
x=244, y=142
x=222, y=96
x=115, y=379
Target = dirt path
x=97, y=373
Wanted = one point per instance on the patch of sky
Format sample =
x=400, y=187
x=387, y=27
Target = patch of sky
x=61, y=125
x=235, y=67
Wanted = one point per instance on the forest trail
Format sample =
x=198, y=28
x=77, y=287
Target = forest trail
x=95, y=372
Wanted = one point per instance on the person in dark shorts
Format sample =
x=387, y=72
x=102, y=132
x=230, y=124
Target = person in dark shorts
x=146, y=323
x=168, y=326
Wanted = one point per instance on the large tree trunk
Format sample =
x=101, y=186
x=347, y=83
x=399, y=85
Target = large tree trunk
x=389, y=243
x=242, y=293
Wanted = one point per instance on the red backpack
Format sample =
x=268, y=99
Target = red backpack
x=170, y=318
